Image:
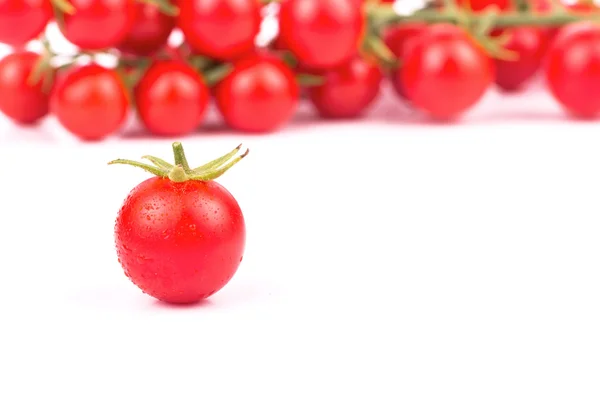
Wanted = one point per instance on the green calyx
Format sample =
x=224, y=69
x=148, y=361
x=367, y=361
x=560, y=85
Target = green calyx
x=181, y=171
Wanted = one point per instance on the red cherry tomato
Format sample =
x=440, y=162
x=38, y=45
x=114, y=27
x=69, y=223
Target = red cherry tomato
x=573, y=69
x=90, y=101
x=321, y=33
x=99, y=24
x=348, y=89
x=583, y=7
x=260, y=95
x=221, y=29
x=23, y=20
x=399, y=39
x=19, y=100
x=150, y=31
x=180, y=242
x=171, y=98
x=446, y=72
x=530, y=46
x=480, y=5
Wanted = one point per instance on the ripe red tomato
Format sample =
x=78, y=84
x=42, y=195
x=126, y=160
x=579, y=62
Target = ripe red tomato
x=19, y=100
x=446, y=72
x=583, y=7
x=23, y=20
x=221, y=29
x=99, y=24
x=321, y=33
x=260, y=95
x=399, y=39
x=150, y=31
x=180, y=241
x=348, y=89
x=480, y=5
x=90, y=101
x=573, y=69
x=530, y=45
x=171, y=98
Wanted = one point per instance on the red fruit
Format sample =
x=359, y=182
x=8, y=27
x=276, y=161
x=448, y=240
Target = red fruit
x=260, y=95
x=480, y=5
x=348, y=89
x=91, y=102
x=399, y=39
x=23, y=20
x=446, y=72
x=530, y=46
x=573, y=69
x=99, y=24
x=221, y=29
x=171, y=98
x=583, y=7
x=180, y=237
x=19, y=100
x=150, y=31
x=321, y=33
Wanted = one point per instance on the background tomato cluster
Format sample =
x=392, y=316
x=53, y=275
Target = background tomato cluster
x=327, y=52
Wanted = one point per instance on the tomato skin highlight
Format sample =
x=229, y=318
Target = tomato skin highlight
x=259, y=96
x=530, y=45
x=23, y=20
x=150, y=31
x=348, y=89
x=180, y=242
x=446, y=72
x=572, y=69
x=221, y=29
x=171, y=98
x=99, y=24
x=321, y=33
x=90, y=102
x=20, y=101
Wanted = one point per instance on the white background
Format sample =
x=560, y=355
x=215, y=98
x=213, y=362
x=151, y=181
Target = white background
x=387, y=258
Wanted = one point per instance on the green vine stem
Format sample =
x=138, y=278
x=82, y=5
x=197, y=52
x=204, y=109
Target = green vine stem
x=385, y=15
x=63, y=6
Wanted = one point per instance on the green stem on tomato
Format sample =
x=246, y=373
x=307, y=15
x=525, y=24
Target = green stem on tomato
x=180, y=159
x=218, y=162
x=181, y=172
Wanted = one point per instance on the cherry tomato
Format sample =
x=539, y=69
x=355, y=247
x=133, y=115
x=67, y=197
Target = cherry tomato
x=260, y=95
x=321, y=33
x=573, y=69
x=399, y=39
x=446, y=72
x=480, y=5
x=221, y=29
x=19, y=100
x=23, y=20
x=180, y=241
x=150, y=31
x=530, y=46
x=348, y=89
x=583, y=7
x=171, y=98
x=99, y=24
x=90, y=101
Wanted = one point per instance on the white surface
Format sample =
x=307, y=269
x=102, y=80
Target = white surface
x=387, y=259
